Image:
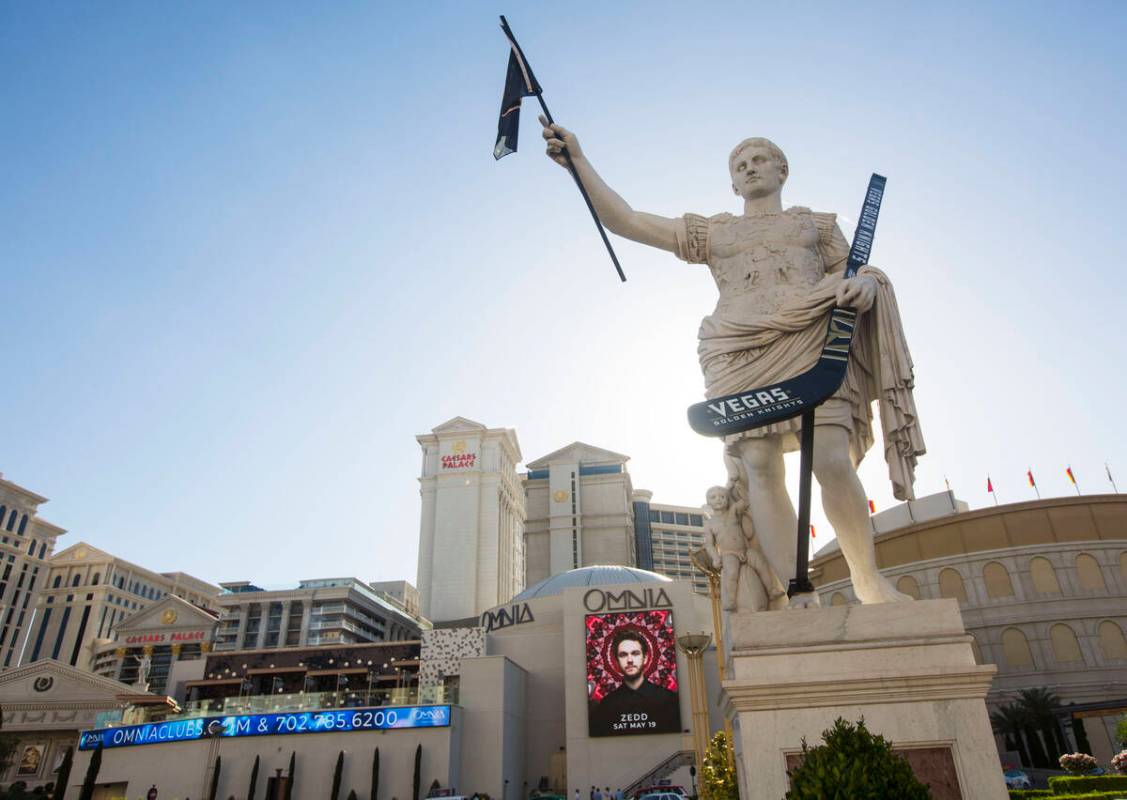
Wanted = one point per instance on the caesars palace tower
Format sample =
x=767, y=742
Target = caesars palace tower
x=471, y=535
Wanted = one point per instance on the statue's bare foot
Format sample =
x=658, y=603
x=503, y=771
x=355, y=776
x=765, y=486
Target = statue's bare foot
x=876, y=589
x=804, y=600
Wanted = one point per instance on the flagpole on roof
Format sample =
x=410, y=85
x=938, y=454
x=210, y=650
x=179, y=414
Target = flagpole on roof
x=1111, y=479
x=539, y=93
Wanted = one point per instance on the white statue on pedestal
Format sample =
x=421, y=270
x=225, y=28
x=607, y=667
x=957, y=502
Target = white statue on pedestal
x=779, y=272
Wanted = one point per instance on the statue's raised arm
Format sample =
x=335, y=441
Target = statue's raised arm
x=615, y=213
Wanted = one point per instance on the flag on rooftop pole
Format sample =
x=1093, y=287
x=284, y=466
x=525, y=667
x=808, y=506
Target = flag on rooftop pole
x=947, y=483
x=812, y=534
x=1110, y=479
x=990, y=488
x=1072, y=478
x=872, y=507
x=1033, y=483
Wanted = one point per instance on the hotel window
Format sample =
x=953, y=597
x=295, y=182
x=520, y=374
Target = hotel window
x=997, y=579
x=1112, y=642
x=1065, y=647
x=77, y=580
x=696, y=520
x=1044, y=576
x=42, y=549
x=1088, y=570
x=58, y=580
x=23, y=524
x=951, y=585
x=12, y=519
x=1015, y=648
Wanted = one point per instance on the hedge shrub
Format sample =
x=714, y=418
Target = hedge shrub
x=1026, y=794
x=1078, y=784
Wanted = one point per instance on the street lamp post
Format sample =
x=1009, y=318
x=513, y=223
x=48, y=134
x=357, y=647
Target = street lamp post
x=693, y=646
x=703, y=562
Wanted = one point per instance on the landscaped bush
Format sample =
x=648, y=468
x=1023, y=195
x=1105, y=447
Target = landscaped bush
x=1078, y=784
x=1113, y=795
x=1078, y=763
x=1119, y=761
x=853, y=763
x=1024, y=794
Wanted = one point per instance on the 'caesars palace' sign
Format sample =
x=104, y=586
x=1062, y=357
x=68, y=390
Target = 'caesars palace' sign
x=458, y=458
x=162, y=638
x=627, y=600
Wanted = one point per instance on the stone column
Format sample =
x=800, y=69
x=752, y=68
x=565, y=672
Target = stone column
x=907, y=668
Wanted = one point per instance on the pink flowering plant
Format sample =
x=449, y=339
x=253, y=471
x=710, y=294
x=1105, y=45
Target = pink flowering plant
x=1078, y=763
x=1119, y=762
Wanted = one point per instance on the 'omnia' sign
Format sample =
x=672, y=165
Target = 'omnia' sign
x=597, y=600
x=341, y=721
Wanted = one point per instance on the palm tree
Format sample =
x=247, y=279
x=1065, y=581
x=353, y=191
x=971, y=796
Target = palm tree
x=1009, y=722
x=253, y=779
x=91, y=780
x=1039, y=705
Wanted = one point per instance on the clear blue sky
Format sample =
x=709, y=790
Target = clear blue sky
x=248, y=251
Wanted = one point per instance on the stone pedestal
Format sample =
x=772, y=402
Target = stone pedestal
x=907, y=668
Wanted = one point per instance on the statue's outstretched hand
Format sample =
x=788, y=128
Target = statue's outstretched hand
x=858, y=292
x=556, y=139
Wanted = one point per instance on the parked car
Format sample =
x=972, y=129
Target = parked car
x=660, y=788
x=1016, y=779
x=661, y=796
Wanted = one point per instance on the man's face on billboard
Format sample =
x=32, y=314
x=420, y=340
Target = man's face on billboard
x=630, y=657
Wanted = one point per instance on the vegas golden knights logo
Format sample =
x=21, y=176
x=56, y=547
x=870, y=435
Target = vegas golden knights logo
x=839, y=334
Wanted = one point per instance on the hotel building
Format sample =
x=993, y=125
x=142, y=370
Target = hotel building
x=471, y=531
x=327, y=611
x=671, y=534
x=27, y=541
x=88, y=591
x=580, y=512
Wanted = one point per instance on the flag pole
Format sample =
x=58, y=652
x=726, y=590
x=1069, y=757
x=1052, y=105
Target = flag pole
x=567, y=156
x=1111, y=479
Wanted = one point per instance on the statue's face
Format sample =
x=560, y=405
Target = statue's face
x=716, y=498
x=757, y=173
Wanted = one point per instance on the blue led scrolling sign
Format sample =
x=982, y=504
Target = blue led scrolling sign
x=343, y=721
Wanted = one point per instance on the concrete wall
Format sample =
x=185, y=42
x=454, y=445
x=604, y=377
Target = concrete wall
x=183, y=769
x=493, y=692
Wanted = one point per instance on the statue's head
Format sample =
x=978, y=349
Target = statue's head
x=717, y=498
x=758, y=168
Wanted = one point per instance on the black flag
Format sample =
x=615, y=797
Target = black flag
x=519, y=83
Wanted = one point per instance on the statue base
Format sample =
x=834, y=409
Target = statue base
x=907, y=668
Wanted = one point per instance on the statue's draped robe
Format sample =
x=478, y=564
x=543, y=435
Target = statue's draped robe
x=744, y=351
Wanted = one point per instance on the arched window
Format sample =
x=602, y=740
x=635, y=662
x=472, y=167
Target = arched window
x=97, y=577
x=838, y=599
x=42, y=549
x=1088, y=570
x=951, y=585
x=997, y=579
x=11, y=520
x=31, y=548
x=77, y=580
x=1015, y=648
x=1111, y=640
x=3, y=511
x=58, y=582
x=907, y=584
x=1044, y=576
x=1065, y=647
x=23, y=525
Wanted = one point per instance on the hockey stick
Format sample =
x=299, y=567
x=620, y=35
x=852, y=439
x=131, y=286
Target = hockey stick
x=755, y=408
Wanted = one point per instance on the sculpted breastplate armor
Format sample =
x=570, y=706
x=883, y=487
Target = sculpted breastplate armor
x=761, y=263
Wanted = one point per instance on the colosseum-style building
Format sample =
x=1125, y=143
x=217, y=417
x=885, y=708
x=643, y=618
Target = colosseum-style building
x=1043, y=591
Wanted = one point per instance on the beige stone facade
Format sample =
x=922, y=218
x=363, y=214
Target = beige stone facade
x=1042, y=587
x=580, y=512
x=88, y=591
x=471, y=531
x=27, y=542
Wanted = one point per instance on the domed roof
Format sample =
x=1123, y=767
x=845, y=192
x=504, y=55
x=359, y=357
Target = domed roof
x=598, y=575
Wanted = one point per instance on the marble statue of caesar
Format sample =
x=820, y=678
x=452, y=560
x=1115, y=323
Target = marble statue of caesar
x=779, y=272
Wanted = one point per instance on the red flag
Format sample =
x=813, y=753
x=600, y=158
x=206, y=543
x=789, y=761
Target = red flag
x=989, y=485
x=1068, y=472
x=872, y=507
x=1029, y=475
x=812, y=534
